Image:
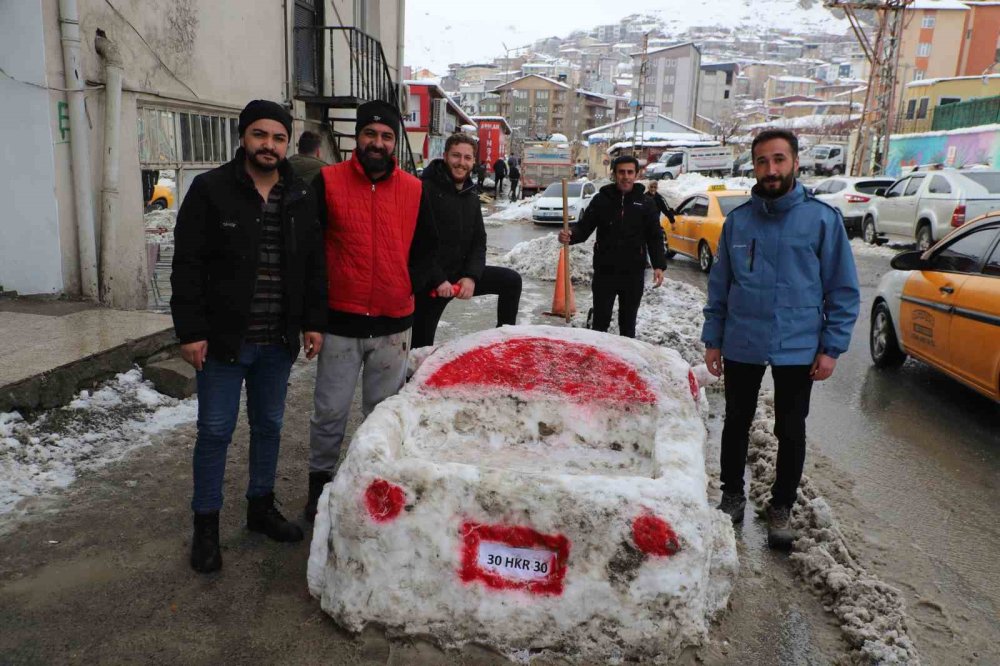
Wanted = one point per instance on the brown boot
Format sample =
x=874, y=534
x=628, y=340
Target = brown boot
x=779, y=527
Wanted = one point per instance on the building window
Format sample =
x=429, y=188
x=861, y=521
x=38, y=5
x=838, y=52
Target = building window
x=725, y=95
x=919, y=74
x=928, y=22
x=949, y=100
x=520, y=94
x=541, y=94
x=172, y=138
x=923, y=49
x=922, y=109
x=911, y=107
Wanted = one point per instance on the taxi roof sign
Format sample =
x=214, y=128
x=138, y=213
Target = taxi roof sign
x=716, y=188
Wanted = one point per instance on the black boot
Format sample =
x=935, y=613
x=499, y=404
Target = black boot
x=205, y=554
x=316, y=482
x=264, y=517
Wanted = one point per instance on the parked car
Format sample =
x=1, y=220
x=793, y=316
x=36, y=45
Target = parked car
x=942, y=306
x=851, y=196
x=548, y=209
x=163, y=196
x=925, y=205
x=698, y=224
x=743, y=165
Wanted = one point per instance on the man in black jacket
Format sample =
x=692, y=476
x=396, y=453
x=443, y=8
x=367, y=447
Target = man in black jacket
x=248, y=279
x=628, y=228
x=460, y=260
x=499, y=173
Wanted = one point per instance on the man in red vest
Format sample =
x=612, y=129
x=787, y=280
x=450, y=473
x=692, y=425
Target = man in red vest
x=380, y=244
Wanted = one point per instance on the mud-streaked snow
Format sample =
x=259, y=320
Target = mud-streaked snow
x=95, y=429
x=508, y=210
x=890, y=250
x=871, y=613
x=539, y=258
x=486, y=455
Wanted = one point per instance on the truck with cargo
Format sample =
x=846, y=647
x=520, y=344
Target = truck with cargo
x=544, y=163
x=708, y=160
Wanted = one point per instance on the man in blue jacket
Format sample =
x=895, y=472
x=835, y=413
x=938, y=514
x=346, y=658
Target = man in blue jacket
x=784, y=293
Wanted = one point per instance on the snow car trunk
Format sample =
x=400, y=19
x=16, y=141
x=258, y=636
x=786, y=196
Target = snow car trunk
x=531, y=488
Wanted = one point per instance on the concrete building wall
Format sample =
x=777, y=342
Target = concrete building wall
x=982, y=39
x=30, y=259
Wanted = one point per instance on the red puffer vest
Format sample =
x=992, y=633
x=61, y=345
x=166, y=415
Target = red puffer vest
x=369, y=231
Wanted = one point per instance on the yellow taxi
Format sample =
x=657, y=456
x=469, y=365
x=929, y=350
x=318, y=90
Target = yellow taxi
x=163, y=197
x=698, y=223
x=942, y=307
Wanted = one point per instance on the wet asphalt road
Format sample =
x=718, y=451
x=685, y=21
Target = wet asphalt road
x=911, y=461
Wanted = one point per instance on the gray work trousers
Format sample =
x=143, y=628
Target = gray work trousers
x=382, y=362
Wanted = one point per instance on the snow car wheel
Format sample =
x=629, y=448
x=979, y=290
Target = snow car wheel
x=868, y=231
x=705, y=258
x=882, y=341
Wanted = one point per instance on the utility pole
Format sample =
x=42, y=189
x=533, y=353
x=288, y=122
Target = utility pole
x=640, y=91
x=883, y=54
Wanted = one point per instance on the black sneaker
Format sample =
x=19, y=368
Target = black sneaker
x=779, y=527
x=205, y=554
x=264, y=517
x=317, y=481
x=732, y=505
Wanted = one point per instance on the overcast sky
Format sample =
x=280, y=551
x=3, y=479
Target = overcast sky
x=437, y=34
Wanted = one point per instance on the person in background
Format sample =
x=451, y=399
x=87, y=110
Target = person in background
x=499, y=173
x=783, y=292
x=481, y=171
x=307, y=163
x=515, y=176
x=380, y=246
x=248, y=279
x=652, y=191
x=628, y=228
x=461, y=252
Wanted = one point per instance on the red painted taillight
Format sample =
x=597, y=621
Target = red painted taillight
x=857, y=198
x=958, y=217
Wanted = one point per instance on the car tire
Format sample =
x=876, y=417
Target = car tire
x=868, y=231
x=882, y=342
x=837, y=170
x=159, y=204
x=667, y=176
x=924, y=237
x=705, y=258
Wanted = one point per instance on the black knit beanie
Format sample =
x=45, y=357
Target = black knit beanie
x=377, y=111
x=260, y=109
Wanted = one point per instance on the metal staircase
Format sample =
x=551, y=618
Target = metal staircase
x=339, y=68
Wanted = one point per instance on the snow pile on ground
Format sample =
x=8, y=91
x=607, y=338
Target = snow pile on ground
x=669, y=316
x=860, y=247
x=536, y=490
x=160, y=225
x=95, y=429
x=691, y=183
x=872, y=614
x=517, y=210
x=539, y=258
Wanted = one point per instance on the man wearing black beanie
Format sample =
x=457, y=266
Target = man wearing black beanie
x=248, y=280
x=380, y=248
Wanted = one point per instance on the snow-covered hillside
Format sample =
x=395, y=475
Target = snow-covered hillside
x=798, y=16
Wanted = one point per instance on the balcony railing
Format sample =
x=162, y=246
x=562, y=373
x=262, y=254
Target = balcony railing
x=343, y=67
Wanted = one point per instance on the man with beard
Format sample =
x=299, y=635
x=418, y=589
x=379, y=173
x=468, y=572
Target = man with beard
x=380, y=244
x=461, y=253
x=784, y=293
x=628, y=229
x=248, y=279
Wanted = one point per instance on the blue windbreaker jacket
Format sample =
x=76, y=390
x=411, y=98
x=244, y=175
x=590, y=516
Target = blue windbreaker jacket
x=784, y=286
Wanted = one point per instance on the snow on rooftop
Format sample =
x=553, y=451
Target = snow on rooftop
x=793, y=79
x=941, y=79
x=938, y=4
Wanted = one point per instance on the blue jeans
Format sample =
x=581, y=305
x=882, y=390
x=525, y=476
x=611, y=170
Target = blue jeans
x=265, y=369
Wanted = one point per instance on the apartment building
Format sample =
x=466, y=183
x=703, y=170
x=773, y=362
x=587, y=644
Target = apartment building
x=534, y=106
x=784, y=86
x=716, y=90
x=186, y=75
x=670, y=82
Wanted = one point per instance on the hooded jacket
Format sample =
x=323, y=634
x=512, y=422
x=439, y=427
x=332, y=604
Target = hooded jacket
x=458, y=218
x=784, y=286
x=628, y=228
x=216, y=250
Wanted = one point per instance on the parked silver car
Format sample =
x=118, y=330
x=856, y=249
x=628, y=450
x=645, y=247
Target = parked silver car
x=851, y=195
x=925, y=205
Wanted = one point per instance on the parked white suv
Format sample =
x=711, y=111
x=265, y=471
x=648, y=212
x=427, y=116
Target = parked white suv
x=851, y=196
x=925, y=205
x=548, y=208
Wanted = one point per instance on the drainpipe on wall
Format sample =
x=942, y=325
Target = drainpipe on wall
x=400, y=35
x=110, y=207
x=79, y=143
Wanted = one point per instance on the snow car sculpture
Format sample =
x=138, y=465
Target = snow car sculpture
x=532, y=489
